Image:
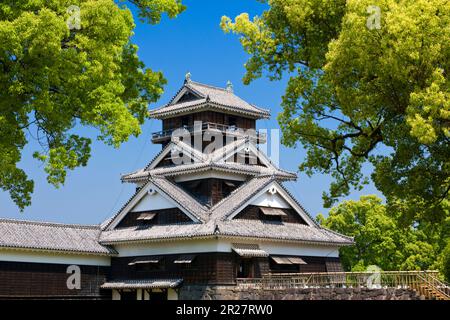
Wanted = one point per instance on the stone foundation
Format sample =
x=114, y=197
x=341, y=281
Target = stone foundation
x=235, y=293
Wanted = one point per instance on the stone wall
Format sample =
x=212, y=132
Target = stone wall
x=234, y=293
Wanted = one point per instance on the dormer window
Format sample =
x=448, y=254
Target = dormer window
x=146, y=216
x=145, y=219
x=272, y=214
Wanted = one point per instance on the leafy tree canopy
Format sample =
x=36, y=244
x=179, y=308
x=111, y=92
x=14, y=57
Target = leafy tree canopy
x=382, y=240
x=66, y=64
x=368, y=84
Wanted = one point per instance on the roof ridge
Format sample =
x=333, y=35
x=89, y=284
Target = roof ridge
x=193, y=102
x=259, y=221
x=258, y=112
x=209, y=86
x=254, y=170
x=190, y=148
x=107, y=223
x=176, y=94
x=227, y=150
x=299, y=204
x=238, y=229
x=227, y=92
x=261, y=110
x=169, y=145
x=287, y=171
x=49, y=223
x=179, y=189
x=237, y=190
x=336, y=233
x=157, y=155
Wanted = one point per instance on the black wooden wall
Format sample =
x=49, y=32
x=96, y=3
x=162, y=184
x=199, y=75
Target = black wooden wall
x=42, y=280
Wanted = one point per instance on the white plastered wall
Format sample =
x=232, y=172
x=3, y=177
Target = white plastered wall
x=53, y=257
x=224, y=245
x=270, y=200
x=153, y=201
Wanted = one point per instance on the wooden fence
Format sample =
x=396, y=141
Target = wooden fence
x=426, y=283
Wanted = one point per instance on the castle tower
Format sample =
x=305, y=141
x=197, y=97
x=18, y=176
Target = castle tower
x=210, y=208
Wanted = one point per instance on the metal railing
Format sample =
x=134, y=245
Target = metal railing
x=425, y=282
x=227, y=129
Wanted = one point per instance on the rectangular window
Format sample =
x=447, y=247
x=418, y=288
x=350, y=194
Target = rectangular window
x=148, y=263
x=146, y=216
x=286, y=264
x=245, y=268
x=146, y=219
x=272, y=214
x=185, y=259
x=185, y=121
x=269, y=211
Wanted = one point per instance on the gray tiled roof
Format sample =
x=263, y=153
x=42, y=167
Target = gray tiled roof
x=280, y=231
x=213, y=97
x=222, y=96
x=214, y=160
x=51, y=236
x=239, y=196
x=181, y=197
x=196, y=155
x=253, y=170
x=238, y=228
x=158, y=232
x=249, y=250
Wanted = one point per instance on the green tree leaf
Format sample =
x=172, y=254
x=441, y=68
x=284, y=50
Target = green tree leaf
x=64, y=65
x=383, y=239
x=361, y=94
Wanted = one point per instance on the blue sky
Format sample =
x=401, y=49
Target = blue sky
x=192, y=42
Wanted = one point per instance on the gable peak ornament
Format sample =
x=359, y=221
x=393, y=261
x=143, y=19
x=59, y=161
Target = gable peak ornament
x=187, y=77
x=229, y=86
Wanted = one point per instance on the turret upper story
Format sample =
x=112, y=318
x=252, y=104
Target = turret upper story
x=199, y=107
x=210, y=145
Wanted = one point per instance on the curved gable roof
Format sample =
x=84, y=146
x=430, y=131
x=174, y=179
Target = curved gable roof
x=209, y=97
x=80, y=239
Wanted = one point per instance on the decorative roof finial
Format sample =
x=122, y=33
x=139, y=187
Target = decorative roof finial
x=229, y=86
x=187, y=77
